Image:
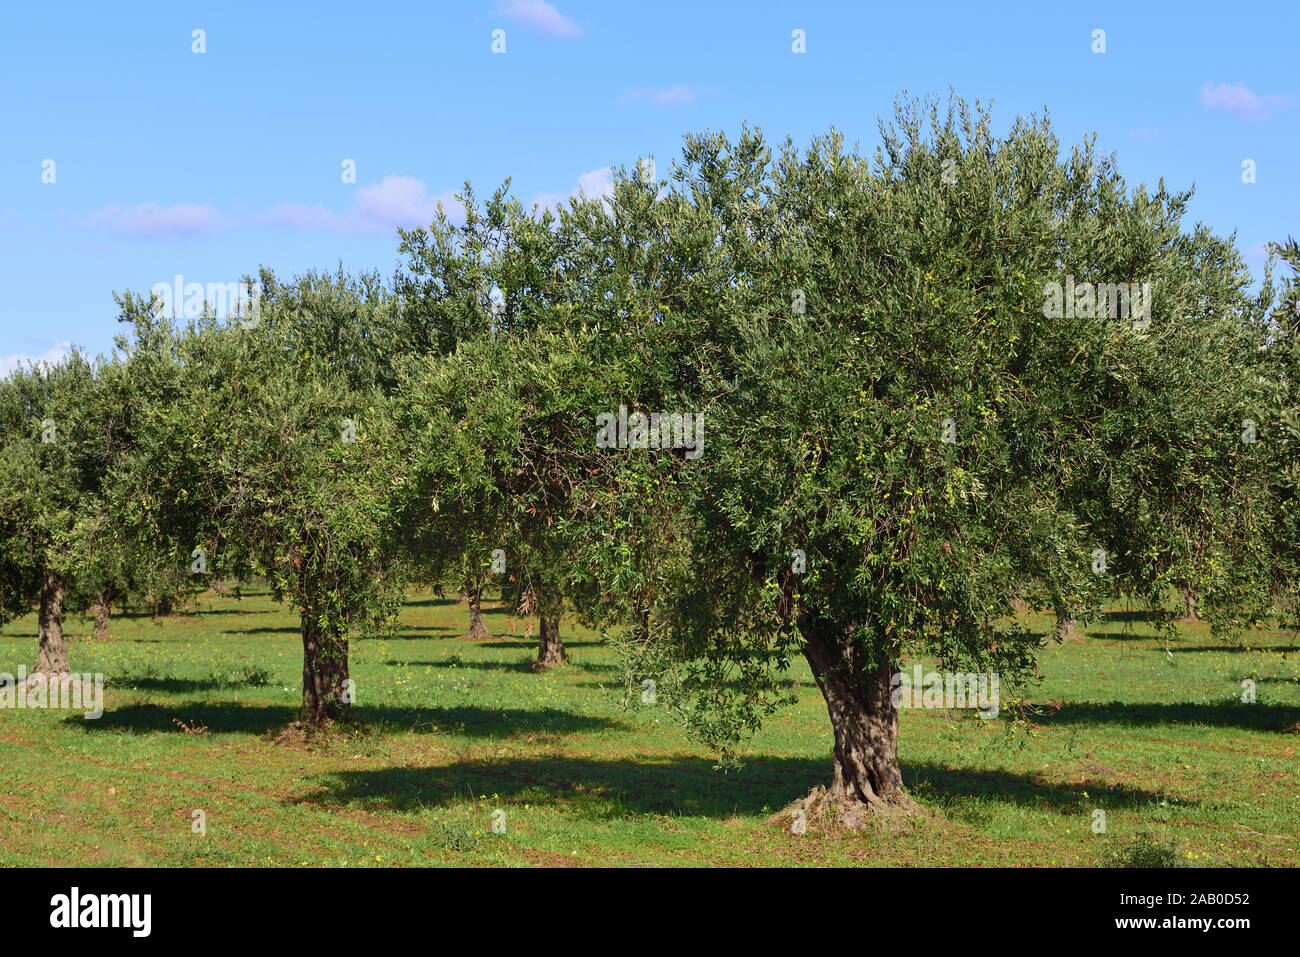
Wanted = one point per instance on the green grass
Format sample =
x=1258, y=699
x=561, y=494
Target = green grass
x=1155, y=737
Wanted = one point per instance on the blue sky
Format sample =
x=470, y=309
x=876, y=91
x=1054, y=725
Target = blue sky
x=207, y=165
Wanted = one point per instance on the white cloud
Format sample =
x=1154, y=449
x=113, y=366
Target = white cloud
x=399, y=201
x=677, y=94
x=1257, y=255
x=51, y=356
x=379, y=208
x=540, y=16
x=597, y=182
x=594, y=184
x=151, y=221
x=1240, y=101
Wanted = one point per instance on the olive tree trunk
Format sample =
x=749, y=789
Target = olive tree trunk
x=53, y=658
x=550, y=649
x=866, y=777
x=477, y=630
x=1066, y=627
x=326, y=693
x=103, y=609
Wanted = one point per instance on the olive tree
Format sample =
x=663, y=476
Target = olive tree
x=896, y=416
x=1279, y=438
x=277, y=459
x=57, y=535
x=501, y=274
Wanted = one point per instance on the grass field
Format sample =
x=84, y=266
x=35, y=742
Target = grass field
x=1155, y=737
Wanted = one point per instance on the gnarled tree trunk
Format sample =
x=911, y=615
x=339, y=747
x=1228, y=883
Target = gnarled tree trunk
x=325, y=689
x=53, y=658
x=103, y=609
x=164, y=608
x=1190, y=599
x=477, y=630
x=1066, y=627
x=866, y=778
x=550, y=650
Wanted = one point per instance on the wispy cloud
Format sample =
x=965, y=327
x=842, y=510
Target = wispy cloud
x=1240, y=101
x=399, y=201
x=51, y=356
x=540, y=16
x=317, y=218
x=595, y=184
x=151, y=221
x=377, y=208
x=1257, y=255
x=681, y=93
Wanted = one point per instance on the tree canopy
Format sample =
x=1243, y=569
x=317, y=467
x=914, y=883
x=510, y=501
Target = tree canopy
x=783, y=402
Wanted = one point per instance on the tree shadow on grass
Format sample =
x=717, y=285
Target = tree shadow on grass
x=1235, y=649
x=950, y=785
x=520, y=666
x=527, y=641
x=407, y=632
x=218, y=718
x=167, y=684
x=228, y=717
x=500, y=636
x=1129, y=614
x=223, y=610
x=1100, y=631
x=1228, y=714
x=682, y=785
x=786, y=684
